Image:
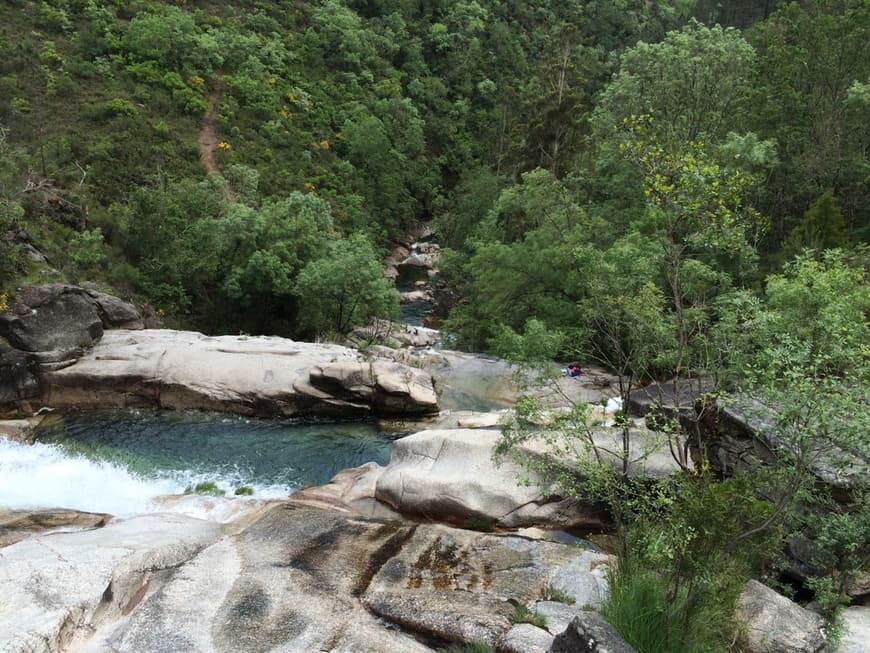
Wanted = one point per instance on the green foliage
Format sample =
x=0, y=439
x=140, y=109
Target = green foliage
x=86, y=249
x=639, y=608
x=207, y=488
x=344, y=289
x=551, y=593
x=244, y=491
x=694, y=83
x=820, y=228
x=522, y=615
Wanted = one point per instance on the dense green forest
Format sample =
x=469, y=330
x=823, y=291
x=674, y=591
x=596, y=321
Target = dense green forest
x=674, y=190
x=514, y=126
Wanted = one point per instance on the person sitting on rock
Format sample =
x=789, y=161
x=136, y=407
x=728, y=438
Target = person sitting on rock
x=574, y=370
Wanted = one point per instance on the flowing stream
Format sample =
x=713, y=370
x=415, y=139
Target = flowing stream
x=119, y=462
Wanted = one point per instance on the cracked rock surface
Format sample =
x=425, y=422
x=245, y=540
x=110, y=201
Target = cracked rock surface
x=296, y=578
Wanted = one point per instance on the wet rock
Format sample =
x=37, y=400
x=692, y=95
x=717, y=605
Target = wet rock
x=589, y=633
x=16, y=525
x=351, y=490
x=774, y=624
x=19, y=430
x=246, y=375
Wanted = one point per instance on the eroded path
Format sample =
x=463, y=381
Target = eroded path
x=207, y=140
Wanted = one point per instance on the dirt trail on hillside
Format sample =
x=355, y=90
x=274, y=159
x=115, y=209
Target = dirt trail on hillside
x=208, y=138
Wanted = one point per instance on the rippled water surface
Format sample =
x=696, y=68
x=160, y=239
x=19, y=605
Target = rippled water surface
x=119, y=461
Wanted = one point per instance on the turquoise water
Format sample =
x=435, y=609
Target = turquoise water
x=234, y=449
x=123, y=462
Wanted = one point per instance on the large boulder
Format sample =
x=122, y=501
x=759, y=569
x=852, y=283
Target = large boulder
x=774, y=624
x=744, y=431
x=589, y=633
x=47, y=328
x=58, y=317
x=450, y=475
x=116, y=313
x=247, y=375
x=51, y=317
x=19, y=375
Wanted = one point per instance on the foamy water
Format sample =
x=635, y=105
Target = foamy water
x=45, y=476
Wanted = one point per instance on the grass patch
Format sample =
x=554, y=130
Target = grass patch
x=244, y=491
x=522, y=615
x=555, y=594
x=638, y=606
x=208, y=488
x=470, y=647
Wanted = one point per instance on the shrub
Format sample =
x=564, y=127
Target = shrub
x=244, y=490
x=208, y=488
x=522, y=615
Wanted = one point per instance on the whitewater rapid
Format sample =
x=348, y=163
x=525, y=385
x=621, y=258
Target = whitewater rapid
x=45, y=476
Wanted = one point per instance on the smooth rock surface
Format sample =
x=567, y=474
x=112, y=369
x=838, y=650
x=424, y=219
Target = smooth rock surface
x=289, y=582
x=283, y=578
x=589, y=633
x=774, y=624
x=450, y=474
x=856, y=639
x=246, y=375
x=525, y=638
x=56, y=587
x=16, y=525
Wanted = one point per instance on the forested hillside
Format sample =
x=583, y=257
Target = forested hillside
x=674, y=191
x=203, y=155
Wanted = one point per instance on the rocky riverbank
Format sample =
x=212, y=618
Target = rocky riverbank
x=63, y=347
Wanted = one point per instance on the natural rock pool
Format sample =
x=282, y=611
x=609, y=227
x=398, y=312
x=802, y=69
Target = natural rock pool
x=119, y=461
